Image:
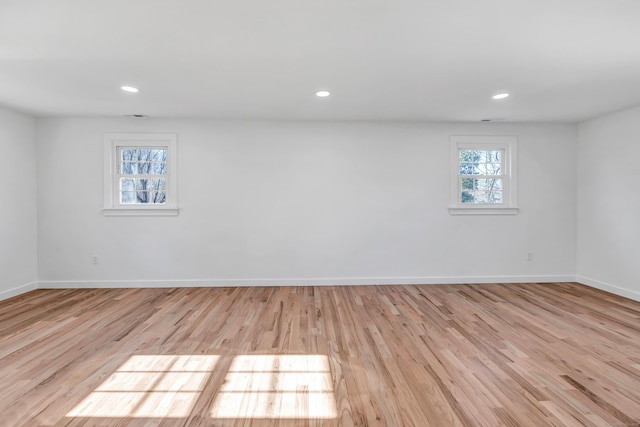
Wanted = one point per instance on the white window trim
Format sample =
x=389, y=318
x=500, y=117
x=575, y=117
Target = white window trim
x=112, y=142
x=510, y=146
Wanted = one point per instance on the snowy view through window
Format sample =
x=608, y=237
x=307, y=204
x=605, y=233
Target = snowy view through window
x=143, y=173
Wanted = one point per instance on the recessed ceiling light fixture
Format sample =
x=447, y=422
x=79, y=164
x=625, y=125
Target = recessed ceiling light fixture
x=129, y=89
x=323, y=93
x=501, y=96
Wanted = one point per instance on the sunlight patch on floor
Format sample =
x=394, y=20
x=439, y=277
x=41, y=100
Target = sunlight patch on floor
x=276, y=386
x=163, y=386
x=255, y=386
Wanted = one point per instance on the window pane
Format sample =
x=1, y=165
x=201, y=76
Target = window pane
x=479, y=169
x=481, y=197
x=129, y=168
x=493, y=169
x=466, y=169
x=144, y=167
x=486, y=169
x=150, y=197
x=130, y=184
x=494, y=156
x=489, y=184
x=158, y=168
x=127, y=184
x=150, y=184
x=144, y=153
x=158, y=197
x=474, y=156
x=466, y=197
x=466, y=155
x=467, y=184
x=127, y=197
x=495, y=197
x=159, y=154
x=128, y=154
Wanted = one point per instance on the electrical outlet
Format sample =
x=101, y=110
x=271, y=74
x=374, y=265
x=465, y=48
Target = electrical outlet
x=94, y=260
x=530, y=256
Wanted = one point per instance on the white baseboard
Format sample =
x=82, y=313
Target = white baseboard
x=628, y=293
x=333, y=281
x=9, y=293
x=329, y=281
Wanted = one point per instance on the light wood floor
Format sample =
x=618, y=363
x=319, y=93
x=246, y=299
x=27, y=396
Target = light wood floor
x=442, y=355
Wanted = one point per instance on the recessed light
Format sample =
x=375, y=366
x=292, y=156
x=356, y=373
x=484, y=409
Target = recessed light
x=323, y=93
x=130, y=89
x=500, y=96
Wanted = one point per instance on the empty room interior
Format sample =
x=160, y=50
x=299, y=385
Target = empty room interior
x=303, y=213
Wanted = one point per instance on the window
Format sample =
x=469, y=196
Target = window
x=483, y=175
x=140, y=174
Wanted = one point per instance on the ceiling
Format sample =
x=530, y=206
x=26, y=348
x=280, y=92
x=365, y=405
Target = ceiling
x=414, y=60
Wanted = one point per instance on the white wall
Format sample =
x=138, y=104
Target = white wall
x=609, y=203
x=18, y=262
x=304, y=202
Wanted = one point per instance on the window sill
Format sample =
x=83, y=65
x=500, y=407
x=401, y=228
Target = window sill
x=483, y=211
x=140, y=211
